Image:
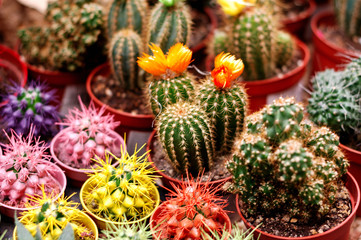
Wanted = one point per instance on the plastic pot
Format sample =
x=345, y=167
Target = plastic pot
x=340, y=232
x=167, y=180
x=102, y=222
x=77, y=176
x=56, y=173
x=157, y=214
x=128, y=122
x=327, y=54
x=82, y=218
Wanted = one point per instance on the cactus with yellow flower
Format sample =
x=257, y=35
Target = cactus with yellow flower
x=126, y=191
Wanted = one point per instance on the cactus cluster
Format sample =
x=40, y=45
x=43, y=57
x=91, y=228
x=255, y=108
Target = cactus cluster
x=30, y=106
x=24, y=170
x=286, y=164
x=69, y=39
x=139, y=231
x=126, y=191
x=89, y=133
x=348, y=16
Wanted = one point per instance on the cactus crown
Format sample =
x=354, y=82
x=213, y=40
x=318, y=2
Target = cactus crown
x=125, y=191
x=138, y=231
x=287, y=163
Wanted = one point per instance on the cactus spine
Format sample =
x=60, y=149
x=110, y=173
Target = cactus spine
x=130, y=14
x=126, y=46
x=348, y=16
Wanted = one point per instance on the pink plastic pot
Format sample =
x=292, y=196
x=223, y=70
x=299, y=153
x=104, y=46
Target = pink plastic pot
x=128, y=122
x=327, y=54
x=77, y=176
x=340, y=232
x=56, y=173
x=167, y=180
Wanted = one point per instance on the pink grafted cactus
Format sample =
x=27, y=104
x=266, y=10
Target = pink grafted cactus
x=89, y=133
x=23, y=170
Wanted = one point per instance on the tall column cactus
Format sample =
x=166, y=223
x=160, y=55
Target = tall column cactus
x=348, y=16
x=125, y=47
x=224, y=100
x=169, y=81
x=169, y=23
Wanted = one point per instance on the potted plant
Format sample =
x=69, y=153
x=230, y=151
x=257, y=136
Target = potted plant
x=196, y=129
x=139, y=230
x=25, y=167
x=122, y=194
x=336, y=35
x=291, y=176
x=335, y=102
x=88, y=133
x=236, y=234
x=190, y=209
x=55, y=220
x=68, y=44
x=275, y=62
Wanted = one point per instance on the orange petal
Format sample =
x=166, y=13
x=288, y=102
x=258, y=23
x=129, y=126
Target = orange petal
x=178, y=58
x=156, y=64
x=227, y=68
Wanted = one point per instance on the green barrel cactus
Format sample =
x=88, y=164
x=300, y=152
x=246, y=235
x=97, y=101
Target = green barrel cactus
x=125, y=48
x=348, y=16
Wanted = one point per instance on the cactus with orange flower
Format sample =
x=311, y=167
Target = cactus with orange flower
x=224, y=100
x=169, y=81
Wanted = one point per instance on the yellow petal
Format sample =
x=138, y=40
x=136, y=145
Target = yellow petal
x=156, y=64
x=235, y=7
x=178, y=58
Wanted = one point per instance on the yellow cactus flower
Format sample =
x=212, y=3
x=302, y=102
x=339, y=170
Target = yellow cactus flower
x=235, y=7
x=171, y=65
x=226, y=69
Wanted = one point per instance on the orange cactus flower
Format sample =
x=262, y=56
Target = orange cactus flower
x=177, y=60
x=226, y=69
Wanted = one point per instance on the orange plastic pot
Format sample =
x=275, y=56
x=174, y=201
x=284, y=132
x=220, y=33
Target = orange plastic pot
x=340, y=232
x=326, y=53
x=128, y=122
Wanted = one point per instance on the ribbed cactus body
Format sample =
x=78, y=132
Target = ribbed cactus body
x=352, y=75
x=129, y=14
x=185, y=133
x=226, y=109
x=219, y=43
x=285, y=48
x=168, y=91
x=125, y=48
x=348, y=15
x=169, y=25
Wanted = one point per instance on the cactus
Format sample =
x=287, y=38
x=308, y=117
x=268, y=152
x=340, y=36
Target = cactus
x=187, y=138
x=71, y=37
x=236, y=234
x=138, y=231
x=169, y=23
x=89, y=133
x=353, y=76
x=127, y=14
x=191, y=211
x=125, y=191
x=125, y=48
x=54, y=220
x=224, y=100
x=30, y=106
x=23, y=170
x=297, y=175
x=219, y=43
x=348, y=16
x=169, y=81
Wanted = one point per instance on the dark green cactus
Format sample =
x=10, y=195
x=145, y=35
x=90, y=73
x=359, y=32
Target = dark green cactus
x=169, y=23
x=285, y=48
x=125, y=48
x=184, y=131
x=131, y=14
x=353, y=76
x=348, y=16
x=219, y=43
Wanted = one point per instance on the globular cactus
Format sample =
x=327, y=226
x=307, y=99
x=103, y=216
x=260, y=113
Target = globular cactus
x=23, y=170
x=123, y=192
x=125, y=47
x=138, y=231
x=348, y=16
x=353, y=76
x=187, y=138
x=285, y=48
x=30, y=106
x=224, y=100
x=297, y=175
x=169, y=23
x=169, y=81
x=127, y=14
x=89, y=133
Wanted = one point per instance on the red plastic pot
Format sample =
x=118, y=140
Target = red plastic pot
x=340, y=232
x=156, y=215
x=262, y=92
x=56, y=173
x=167, y=180
x=128, y=122
x=77, y=176
x=327, y=54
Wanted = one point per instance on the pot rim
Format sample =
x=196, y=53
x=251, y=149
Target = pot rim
x=303, y=15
